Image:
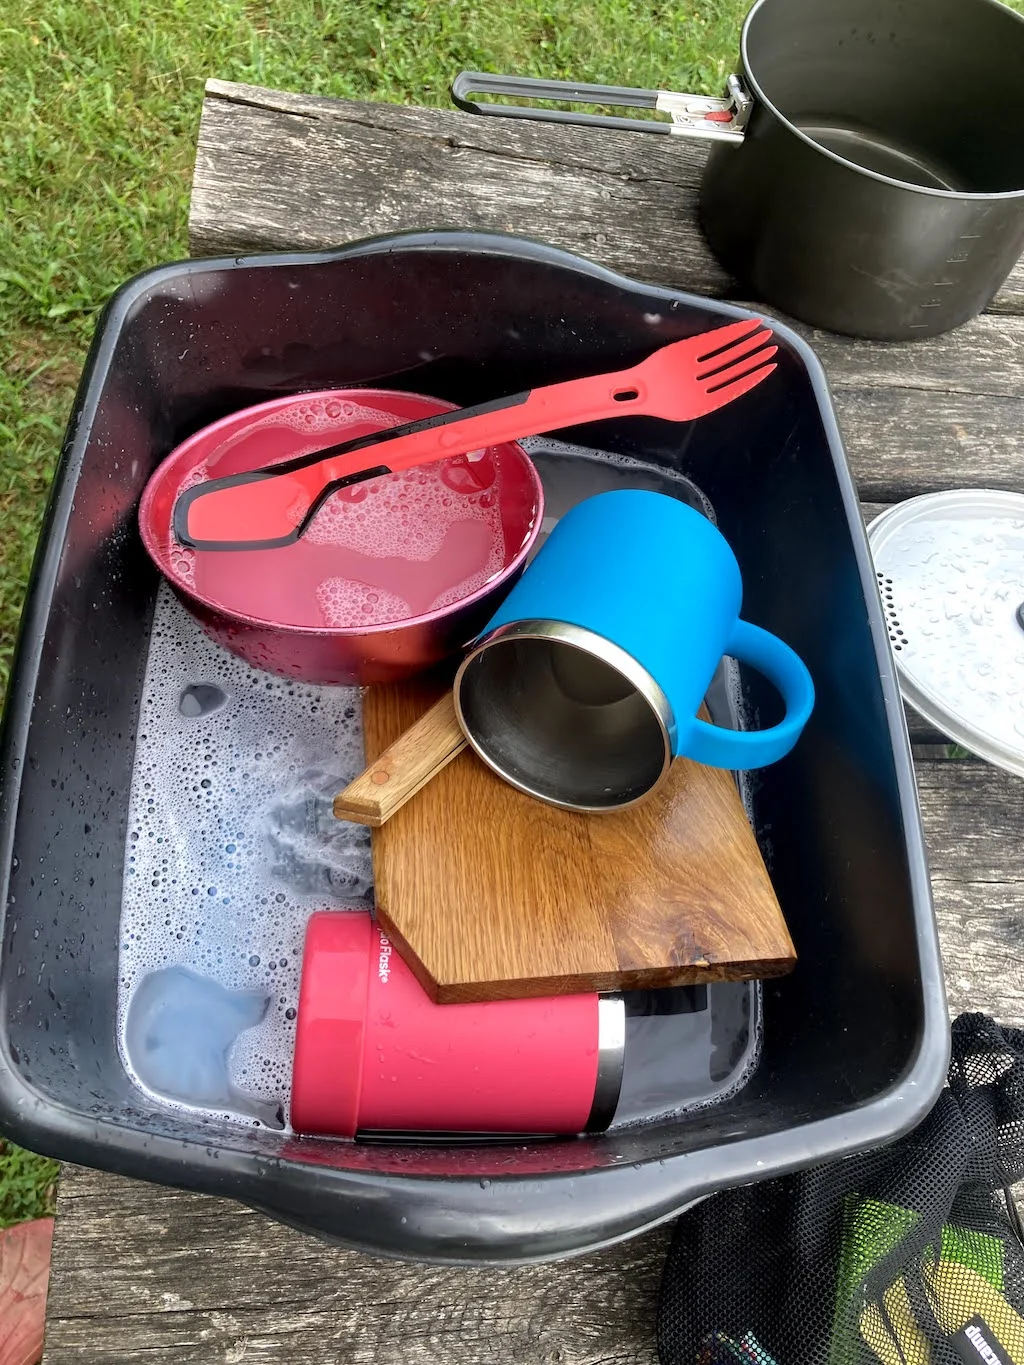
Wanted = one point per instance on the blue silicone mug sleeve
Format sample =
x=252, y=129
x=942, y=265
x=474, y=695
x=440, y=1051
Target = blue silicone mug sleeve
x=721, y=748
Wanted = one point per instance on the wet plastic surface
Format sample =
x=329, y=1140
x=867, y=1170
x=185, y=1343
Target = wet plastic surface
x=854, y=1042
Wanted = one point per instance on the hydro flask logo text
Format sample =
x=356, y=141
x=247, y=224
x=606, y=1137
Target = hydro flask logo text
x=384, y=959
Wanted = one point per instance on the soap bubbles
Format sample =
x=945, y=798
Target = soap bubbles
x=231, y=846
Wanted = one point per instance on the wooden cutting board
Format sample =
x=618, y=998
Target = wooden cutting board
x=489, y=894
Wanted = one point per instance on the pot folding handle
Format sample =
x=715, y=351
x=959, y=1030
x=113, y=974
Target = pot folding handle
x=700, y=116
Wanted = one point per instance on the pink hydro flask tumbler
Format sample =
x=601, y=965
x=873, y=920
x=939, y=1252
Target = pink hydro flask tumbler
x=373, y=1053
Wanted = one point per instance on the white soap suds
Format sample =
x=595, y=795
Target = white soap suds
x=232, y=843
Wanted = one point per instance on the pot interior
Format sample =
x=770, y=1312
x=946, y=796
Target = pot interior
x=912, y=89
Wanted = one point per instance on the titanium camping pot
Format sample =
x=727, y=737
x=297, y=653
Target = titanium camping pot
x=866, y=170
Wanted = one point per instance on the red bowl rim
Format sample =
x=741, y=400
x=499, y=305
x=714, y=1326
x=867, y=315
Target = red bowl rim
x=153, y=486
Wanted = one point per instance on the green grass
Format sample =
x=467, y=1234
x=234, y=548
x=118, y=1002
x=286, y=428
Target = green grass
x=28, y=1185
x=99, y=108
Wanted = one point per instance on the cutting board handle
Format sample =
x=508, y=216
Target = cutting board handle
x=404, y=767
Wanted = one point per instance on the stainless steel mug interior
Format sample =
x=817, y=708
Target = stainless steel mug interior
x=566, y=716
x=879, y=185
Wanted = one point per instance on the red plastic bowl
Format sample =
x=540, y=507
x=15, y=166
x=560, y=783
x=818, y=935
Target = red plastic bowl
x=310, y=649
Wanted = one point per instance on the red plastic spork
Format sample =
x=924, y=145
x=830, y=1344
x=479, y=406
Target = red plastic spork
x=272, y=506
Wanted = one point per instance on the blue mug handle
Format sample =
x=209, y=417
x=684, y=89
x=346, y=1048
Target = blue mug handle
x=720, y=748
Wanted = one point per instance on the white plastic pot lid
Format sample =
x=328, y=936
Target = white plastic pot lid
x=950, y=570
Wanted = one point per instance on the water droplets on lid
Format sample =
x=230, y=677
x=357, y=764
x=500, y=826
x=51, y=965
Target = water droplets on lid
x=949, y=568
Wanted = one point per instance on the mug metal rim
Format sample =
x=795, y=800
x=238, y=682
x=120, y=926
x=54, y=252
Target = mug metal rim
x=589, y=642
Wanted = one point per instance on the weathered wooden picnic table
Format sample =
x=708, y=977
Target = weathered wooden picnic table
x=146, y=1273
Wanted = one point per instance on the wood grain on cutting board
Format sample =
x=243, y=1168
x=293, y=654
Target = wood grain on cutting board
x=490, y=894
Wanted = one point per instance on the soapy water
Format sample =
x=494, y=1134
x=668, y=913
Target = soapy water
x=181, y=1028
x=233, y=844
x=395, y=547
x=362, y=559
x=687, y=1047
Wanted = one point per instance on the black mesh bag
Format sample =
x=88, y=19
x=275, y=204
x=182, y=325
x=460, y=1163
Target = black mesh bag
x=911, y=1255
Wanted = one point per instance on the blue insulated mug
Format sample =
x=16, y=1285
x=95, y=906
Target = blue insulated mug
x=586, y=683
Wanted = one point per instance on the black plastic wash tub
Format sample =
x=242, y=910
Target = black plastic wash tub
x=854, y=1041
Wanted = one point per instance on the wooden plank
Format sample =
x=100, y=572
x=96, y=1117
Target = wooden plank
x=984, y=356
x=904, y=442
x=981, y=924
x=277, y=170
x=146, y=1273
x=670, y=892
x=280, y=171
x=973, y=814
x=143, y=1273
